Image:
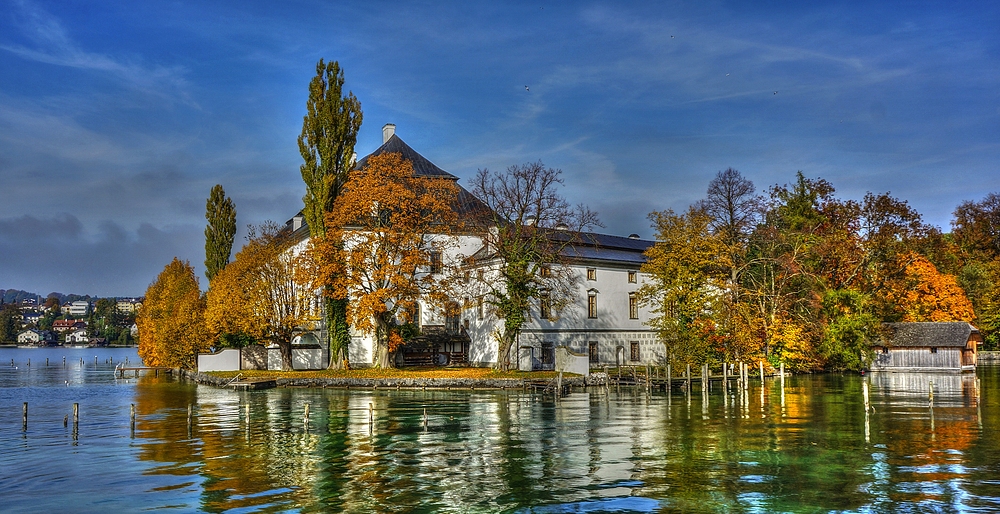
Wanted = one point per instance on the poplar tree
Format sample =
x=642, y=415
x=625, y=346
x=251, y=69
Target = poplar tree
x=220, y=212
x=329, y=132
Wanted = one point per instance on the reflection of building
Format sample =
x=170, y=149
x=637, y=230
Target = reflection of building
x=939, y=346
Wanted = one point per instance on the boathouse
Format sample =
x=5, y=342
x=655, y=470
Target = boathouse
x=932, y=346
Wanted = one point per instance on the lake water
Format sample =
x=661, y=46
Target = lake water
x=804, y=447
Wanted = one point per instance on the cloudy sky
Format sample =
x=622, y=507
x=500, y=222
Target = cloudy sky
x=116, y=118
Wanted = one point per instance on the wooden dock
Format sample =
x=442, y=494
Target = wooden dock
x=253, y=384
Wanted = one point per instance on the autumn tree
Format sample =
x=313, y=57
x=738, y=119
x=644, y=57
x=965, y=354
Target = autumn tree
x=780, y=283
x=976, y=232
x=931, y=296
x=329, y=132
x=385, y=231
x=529, y=226
x=685, y=269
x=171, y=322
x=220, y=211
x=258, y=298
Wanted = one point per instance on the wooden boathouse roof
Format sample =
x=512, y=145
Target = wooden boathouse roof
x=930, y=334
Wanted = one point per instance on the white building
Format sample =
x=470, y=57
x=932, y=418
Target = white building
x=79, y=308
x=77, y=336
x=603, y=320
x=32, y=336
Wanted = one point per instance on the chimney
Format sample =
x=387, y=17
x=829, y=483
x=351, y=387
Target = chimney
x=388, y=130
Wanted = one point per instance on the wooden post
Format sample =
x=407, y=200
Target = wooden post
x=29, y=363
x=425, y=418
x=64, y=361
x=24, y=416
x=761, y=364
x=132, y=420
x=559, y=385
x=864, y=390
x=76, y=413
x=371, y=415
x=725, y=378
x=670, y=377
x=687, y=375
x=930, y=393
x=248, y=416
x=704, y=378
x=189, y=416
x=307, y=412
x=782, y=366
x=46, y=362
x=66, y=421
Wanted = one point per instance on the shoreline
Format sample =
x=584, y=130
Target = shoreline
x=387, y=382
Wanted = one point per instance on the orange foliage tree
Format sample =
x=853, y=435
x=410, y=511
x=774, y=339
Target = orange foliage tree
x=929, y=295
x=260, y=295
x=394, y=227
x=171, y=323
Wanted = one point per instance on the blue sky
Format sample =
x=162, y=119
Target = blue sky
x=116, y=118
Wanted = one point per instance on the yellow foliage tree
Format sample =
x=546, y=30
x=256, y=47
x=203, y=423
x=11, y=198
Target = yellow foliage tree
x=171, y=323
x=932, y=296
x=261, y=293
x=686, y=268
x=394, y=227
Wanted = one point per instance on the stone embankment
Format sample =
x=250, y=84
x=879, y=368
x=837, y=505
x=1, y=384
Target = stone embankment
x=393, y=383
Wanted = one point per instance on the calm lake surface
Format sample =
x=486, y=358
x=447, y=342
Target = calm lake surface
x=805, y=447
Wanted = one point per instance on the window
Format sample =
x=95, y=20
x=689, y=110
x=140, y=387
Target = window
x=633, y=306
x=479, y=274
x=933, y=350
x=591, y=305
x=633, y=277
x=885, y=349
x=544, y=306
x=592, y=351
x=435, y=262
x=634, y=351
x=548, y=354
x=591, y=273
x=452, y=317
x=479, y=307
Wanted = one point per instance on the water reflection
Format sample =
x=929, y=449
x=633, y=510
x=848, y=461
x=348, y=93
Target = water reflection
x=800, y=447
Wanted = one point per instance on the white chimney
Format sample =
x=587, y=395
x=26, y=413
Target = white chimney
x=387, y=132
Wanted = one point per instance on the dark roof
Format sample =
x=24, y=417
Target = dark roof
x=470, y=208
x=594, y=246
x=929, y=334
x=421, y=166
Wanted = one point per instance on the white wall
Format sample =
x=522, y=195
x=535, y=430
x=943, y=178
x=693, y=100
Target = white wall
x=223, y=360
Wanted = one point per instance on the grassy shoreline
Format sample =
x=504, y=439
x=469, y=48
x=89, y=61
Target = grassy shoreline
x=390, y=373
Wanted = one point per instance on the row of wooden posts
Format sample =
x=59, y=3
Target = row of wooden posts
x=652, y=376
x=109, y=360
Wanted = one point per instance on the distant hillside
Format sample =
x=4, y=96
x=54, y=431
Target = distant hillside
x=18, y=296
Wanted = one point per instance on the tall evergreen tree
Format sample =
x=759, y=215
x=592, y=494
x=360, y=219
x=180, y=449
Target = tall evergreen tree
x=220, y=212
x=329, y=132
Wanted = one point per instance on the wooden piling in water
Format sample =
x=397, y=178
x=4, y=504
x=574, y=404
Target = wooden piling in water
x=189, y=416
x=425, y=418
x=307, y=412
x=760, y=363
x=371, y=415
x=24, y=416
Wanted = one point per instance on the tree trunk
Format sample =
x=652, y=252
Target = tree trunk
x=380, y=352
x=337, y=331
x=285, y=347
x=505, y=344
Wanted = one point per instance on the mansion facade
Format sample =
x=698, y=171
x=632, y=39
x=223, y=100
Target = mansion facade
x=601, y=318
